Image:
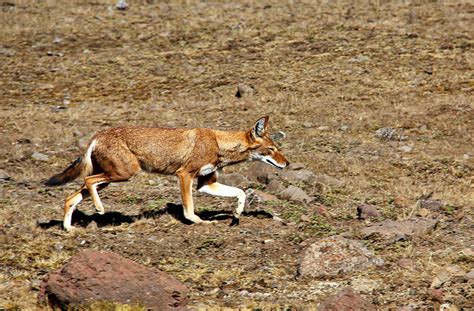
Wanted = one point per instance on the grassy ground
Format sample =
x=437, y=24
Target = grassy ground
x=329, y=75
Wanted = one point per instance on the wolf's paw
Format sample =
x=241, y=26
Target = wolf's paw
x=235, y=222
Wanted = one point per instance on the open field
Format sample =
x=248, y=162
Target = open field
x=329, y=74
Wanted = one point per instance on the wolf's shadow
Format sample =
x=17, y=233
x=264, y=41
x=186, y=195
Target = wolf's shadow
x=81, y=219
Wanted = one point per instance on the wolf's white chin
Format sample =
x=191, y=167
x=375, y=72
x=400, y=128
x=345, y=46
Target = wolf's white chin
x=272, y=162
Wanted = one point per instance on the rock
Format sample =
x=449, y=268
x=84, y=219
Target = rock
x=275, y=186
x=406, y=148
x=363, y=285
x=332, y=256
x=344, y=128
x=92, y=226
x=365, y=211
x=328, y=181
x=121, y=5
x=259, y=171
x=40, y=156
x=437, y=294
x=396, y=230
x=470, y=275
x=279, y=135
x=324, y=128
x=448, y=307
x=388, y=133
x=445, y=274
x=244, y=90
x=234, y=180
x=293, y=193
x=296, y=166
x=405, y=263
x=305, y=218
x=4, y=176
x=105, y=276
x=432, y=205
x=423, y=212
x=359, y=59
x=302, y=175
x=345, y=300
x=259, y=196
x=307, y=124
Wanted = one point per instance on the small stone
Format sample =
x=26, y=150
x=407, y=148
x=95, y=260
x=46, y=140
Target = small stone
x=153, y=238
x=423, y=212
x=437, y=294
x=296, y=166
x=121, y=5
x=430, y=204
x=336, y=255
x=445, y=274
x=344, y=128
x=360, y=59
x=259, y=171
x=323, y=128
x=468, y=252
x=345, y=300
x=279, y=219
x=40, y=156
x=364, y=285
x=296, y=194
x=234, y=180
x=448, y=307
x=386, y=133
x=398, y=230
x=244, y=90
x=4, y=176
x=275, y=186
x=470, y=275
x=405, y=263
x=305, y=218
x=278, y=135
x=92, y=226
x=365, y=211
x=406, y=149
x=260, y=196
x=307, y=124
x=301, y=175
x=328, y=180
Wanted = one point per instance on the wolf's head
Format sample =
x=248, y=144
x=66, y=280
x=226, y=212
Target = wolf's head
x=263, y=148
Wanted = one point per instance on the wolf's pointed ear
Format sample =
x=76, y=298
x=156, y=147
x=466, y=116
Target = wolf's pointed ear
x=260, y=127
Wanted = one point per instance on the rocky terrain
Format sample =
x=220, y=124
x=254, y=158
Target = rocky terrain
x=372, y=103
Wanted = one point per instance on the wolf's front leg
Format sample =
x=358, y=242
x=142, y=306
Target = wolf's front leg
x=186, y=186
x=217, y=189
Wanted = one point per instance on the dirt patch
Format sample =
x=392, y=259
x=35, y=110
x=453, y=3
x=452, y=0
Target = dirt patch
x=329, y=75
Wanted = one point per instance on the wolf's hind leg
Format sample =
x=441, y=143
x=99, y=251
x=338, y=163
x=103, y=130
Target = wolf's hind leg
x=70, y=206
x=92, y=182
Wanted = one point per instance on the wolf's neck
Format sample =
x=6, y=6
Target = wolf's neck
x=233, y=147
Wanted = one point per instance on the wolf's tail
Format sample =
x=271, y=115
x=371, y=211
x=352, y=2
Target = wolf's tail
x=81, y=167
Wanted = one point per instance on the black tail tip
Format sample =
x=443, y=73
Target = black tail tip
x=53, y=181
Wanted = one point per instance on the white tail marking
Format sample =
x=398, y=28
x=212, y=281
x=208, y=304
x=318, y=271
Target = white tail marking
x=87, y=159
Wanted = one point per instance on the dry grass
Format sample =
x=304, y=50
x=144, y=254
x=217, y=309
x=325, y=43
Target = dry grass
x=329, y=73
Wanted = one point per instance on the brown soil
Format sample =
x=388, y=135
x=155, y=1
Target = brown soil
x=329, y=75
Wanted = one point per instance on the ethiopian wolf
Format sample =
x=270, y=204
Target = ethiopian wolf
x=117, y=154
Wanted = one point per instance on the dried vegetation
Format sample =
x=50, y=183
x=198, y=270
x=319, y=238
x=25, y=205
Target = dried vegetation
x=330, y=74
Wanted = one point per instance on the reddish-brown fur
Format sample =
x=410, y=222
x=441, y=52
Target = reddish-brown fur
x=118, y=154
